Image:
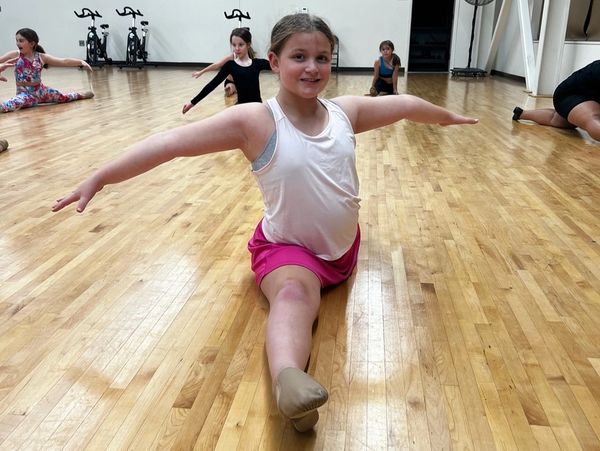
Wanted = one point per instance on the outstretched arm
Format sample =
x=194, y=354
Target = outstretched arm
x=9, y=55
x=213, y=66
x=367, y=113
x=235, y=127
x=395, y=79
x=6, y=65
x=64, y=62
x=210, y=86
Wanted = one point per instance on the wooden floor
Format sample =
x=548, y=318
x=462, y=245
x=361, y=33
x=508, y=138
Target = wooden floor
x=472, y=321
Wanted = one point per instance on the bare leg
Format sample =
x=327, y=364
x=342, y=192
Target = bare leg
x=294, y=295
x=546, y=116
x=586, y=115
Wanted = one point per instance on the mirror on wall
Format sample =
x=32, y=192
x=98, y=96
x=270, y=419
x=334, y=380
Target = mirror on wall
x=584, y=21
x=536, y=8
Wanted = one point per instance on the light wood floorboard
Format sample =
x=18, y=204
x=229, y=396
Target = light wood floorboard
x=471, y=322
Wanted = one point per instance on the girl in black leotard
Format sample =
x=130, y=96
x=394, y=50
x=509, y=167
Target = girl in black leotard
x=244, y=69
x=576, y=103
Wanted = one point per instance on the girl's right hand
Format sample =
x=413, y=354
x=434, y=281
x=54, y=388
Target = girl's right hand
x=81, y=195
x=86, y=66
x=187, y=107
x=6, y=65
x=197, y=73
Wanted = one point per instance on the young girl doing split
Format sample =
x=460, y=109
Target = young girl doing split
x=301, y=149
x=243, y=69
x=28, y=74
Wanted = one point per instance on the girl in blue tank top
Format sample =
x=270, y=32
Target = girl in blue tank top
x=385, y=71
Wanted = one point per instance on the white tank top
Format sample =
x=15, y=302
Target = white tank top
x=310, y=185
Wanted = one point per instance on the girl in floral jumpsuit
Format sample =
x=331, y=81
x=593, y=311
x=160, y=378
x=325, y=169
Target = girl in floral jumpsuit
x=31, y=59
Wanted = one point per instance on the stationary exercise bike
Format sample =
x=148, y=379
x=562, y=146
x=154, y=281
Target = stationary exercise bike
x=237, y=14
x=94, y=46
x=136, y=47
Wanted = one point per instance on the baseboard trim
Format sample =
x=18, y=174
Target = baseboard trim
x=507, y=75
x=201, y=65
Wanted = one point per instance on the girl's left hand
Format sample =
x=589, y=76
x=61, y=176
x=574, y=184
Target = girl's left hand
x=81, y=195
x=85, y=65
x=457, y=119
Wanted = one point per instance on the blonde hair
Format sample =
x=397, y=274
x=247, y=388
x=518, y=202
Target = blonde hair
x=298, y=23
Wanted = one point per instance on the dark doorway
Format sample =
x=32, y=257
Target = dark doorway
x=430, y=36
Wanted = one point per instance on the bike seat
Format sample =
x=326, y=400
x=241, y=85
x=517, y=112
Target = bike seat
x=144, y=22
x=104, y=26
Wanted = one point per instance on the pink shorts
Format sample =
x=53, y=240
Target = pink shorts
x=267, y=256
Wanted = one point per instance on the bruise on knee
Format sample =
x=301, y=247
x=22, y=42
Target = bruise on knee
x=293, y=289
x=294, y=292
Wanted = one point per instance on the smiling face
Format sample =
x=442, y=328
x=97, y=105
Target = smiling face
x=303, y=64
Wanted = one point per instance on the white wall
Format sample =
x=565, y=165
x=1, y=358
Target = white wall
x=578, y=54
x=197, y=31
x=461, y=34
x=510, y=54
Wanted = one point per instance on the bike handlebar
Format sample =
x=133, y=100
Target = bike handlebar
x=87, y=12
x=129, y=11
x=237, y=14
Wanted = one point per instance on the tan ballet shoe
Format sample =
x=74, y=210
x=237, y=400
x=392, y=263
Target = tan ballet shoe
x=298, y=396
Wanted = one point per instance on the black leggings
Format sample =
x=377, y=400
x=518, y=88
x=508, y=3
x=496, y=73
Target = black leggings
x=568, y=95
x=383, y=86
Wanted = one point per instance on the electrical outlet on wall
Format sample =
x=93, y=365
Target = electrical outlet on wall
x=81, y=43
